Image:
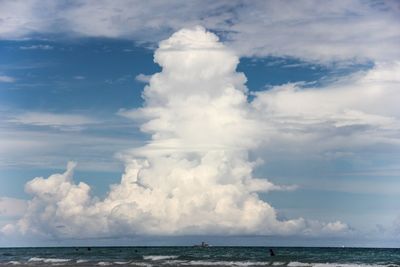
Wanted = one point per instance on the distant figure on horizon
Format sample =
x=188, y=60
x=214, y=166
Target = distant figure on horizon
x=202, y=245
x=271, y=252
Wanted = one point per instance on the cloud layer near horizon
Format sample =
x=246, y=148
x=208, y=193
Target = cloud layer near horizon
x=194, y=176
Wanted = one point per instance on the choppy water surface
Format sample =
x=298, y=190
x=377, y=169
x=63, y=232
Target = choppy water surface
x=197, y=256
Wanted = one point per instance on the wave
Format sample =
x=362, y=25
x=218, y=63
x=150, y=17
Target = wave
x=145, y=264
x=299, y=264
x=171, y=260
x=104, y=263
x=13, y=263
x=225, y=263
x=48, y=260
x=288, y=264
x=305, y=264
x=174, y=262
x=159, y=257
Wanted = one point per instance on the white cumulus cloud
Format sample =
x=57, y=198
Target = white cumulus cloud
x=12, y=207
x=194, y=176
x=356, y=111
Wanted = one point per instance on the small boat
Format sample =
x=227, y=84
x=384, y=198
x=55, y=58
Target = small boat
x=202, y=245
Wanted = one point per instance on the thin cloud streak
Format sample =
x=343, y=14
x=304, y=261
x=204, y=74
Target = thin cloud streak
x=6, y=79
x=51, y=119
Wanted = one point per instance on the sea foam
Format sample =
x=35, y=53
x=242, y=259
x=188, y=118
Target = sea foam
x=48, y=260
x=159, y=257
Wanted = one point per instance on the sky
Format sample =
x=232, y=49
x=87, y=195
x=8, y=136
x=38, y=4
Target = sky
x=169, y=123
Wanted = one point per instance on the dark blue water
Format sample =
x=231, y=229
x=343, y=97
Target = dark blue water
x=197, y=256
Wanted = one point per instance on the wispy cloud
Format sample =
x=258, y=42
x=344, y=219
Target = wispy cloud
x=37, y=47
x=23, y=147
x=122, y=79
x=143, y=78
x=52, y=119
x=7, y=79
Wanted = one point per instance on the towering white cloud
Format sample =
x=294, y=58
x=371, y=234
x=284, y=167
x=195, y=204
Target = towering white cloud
x=193, y=176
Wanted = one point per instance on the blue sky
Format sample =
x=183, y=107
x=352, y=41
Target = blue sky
x=69, y=87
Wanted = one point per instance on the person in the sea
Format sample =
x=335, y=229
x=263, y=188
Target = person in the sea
x=271, y=252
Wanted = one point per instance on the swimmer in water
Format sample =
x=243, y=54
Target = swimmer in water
x=271, y=252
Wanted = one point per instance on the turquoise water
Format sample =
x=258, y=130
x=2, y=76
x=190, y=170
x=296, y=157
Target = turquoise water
x=197, y=256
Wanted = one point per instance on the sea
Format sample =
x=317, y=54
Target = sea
x=200, y=256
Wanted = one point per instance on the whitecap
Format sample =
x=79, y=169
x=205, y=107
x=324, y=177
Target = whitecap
x=13, y=262
x=298, y=264
x=226, y=263
x=141, y=264
x=159, y=257
x=174, y=262
x=35, y=259
x=278, y=263
x=104, y=263
x=349, y=265
x=48, y=260
x=334, y=264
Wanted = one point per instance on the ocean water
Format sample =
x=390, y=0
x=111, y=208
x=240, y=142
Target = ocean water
x=197, y=256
